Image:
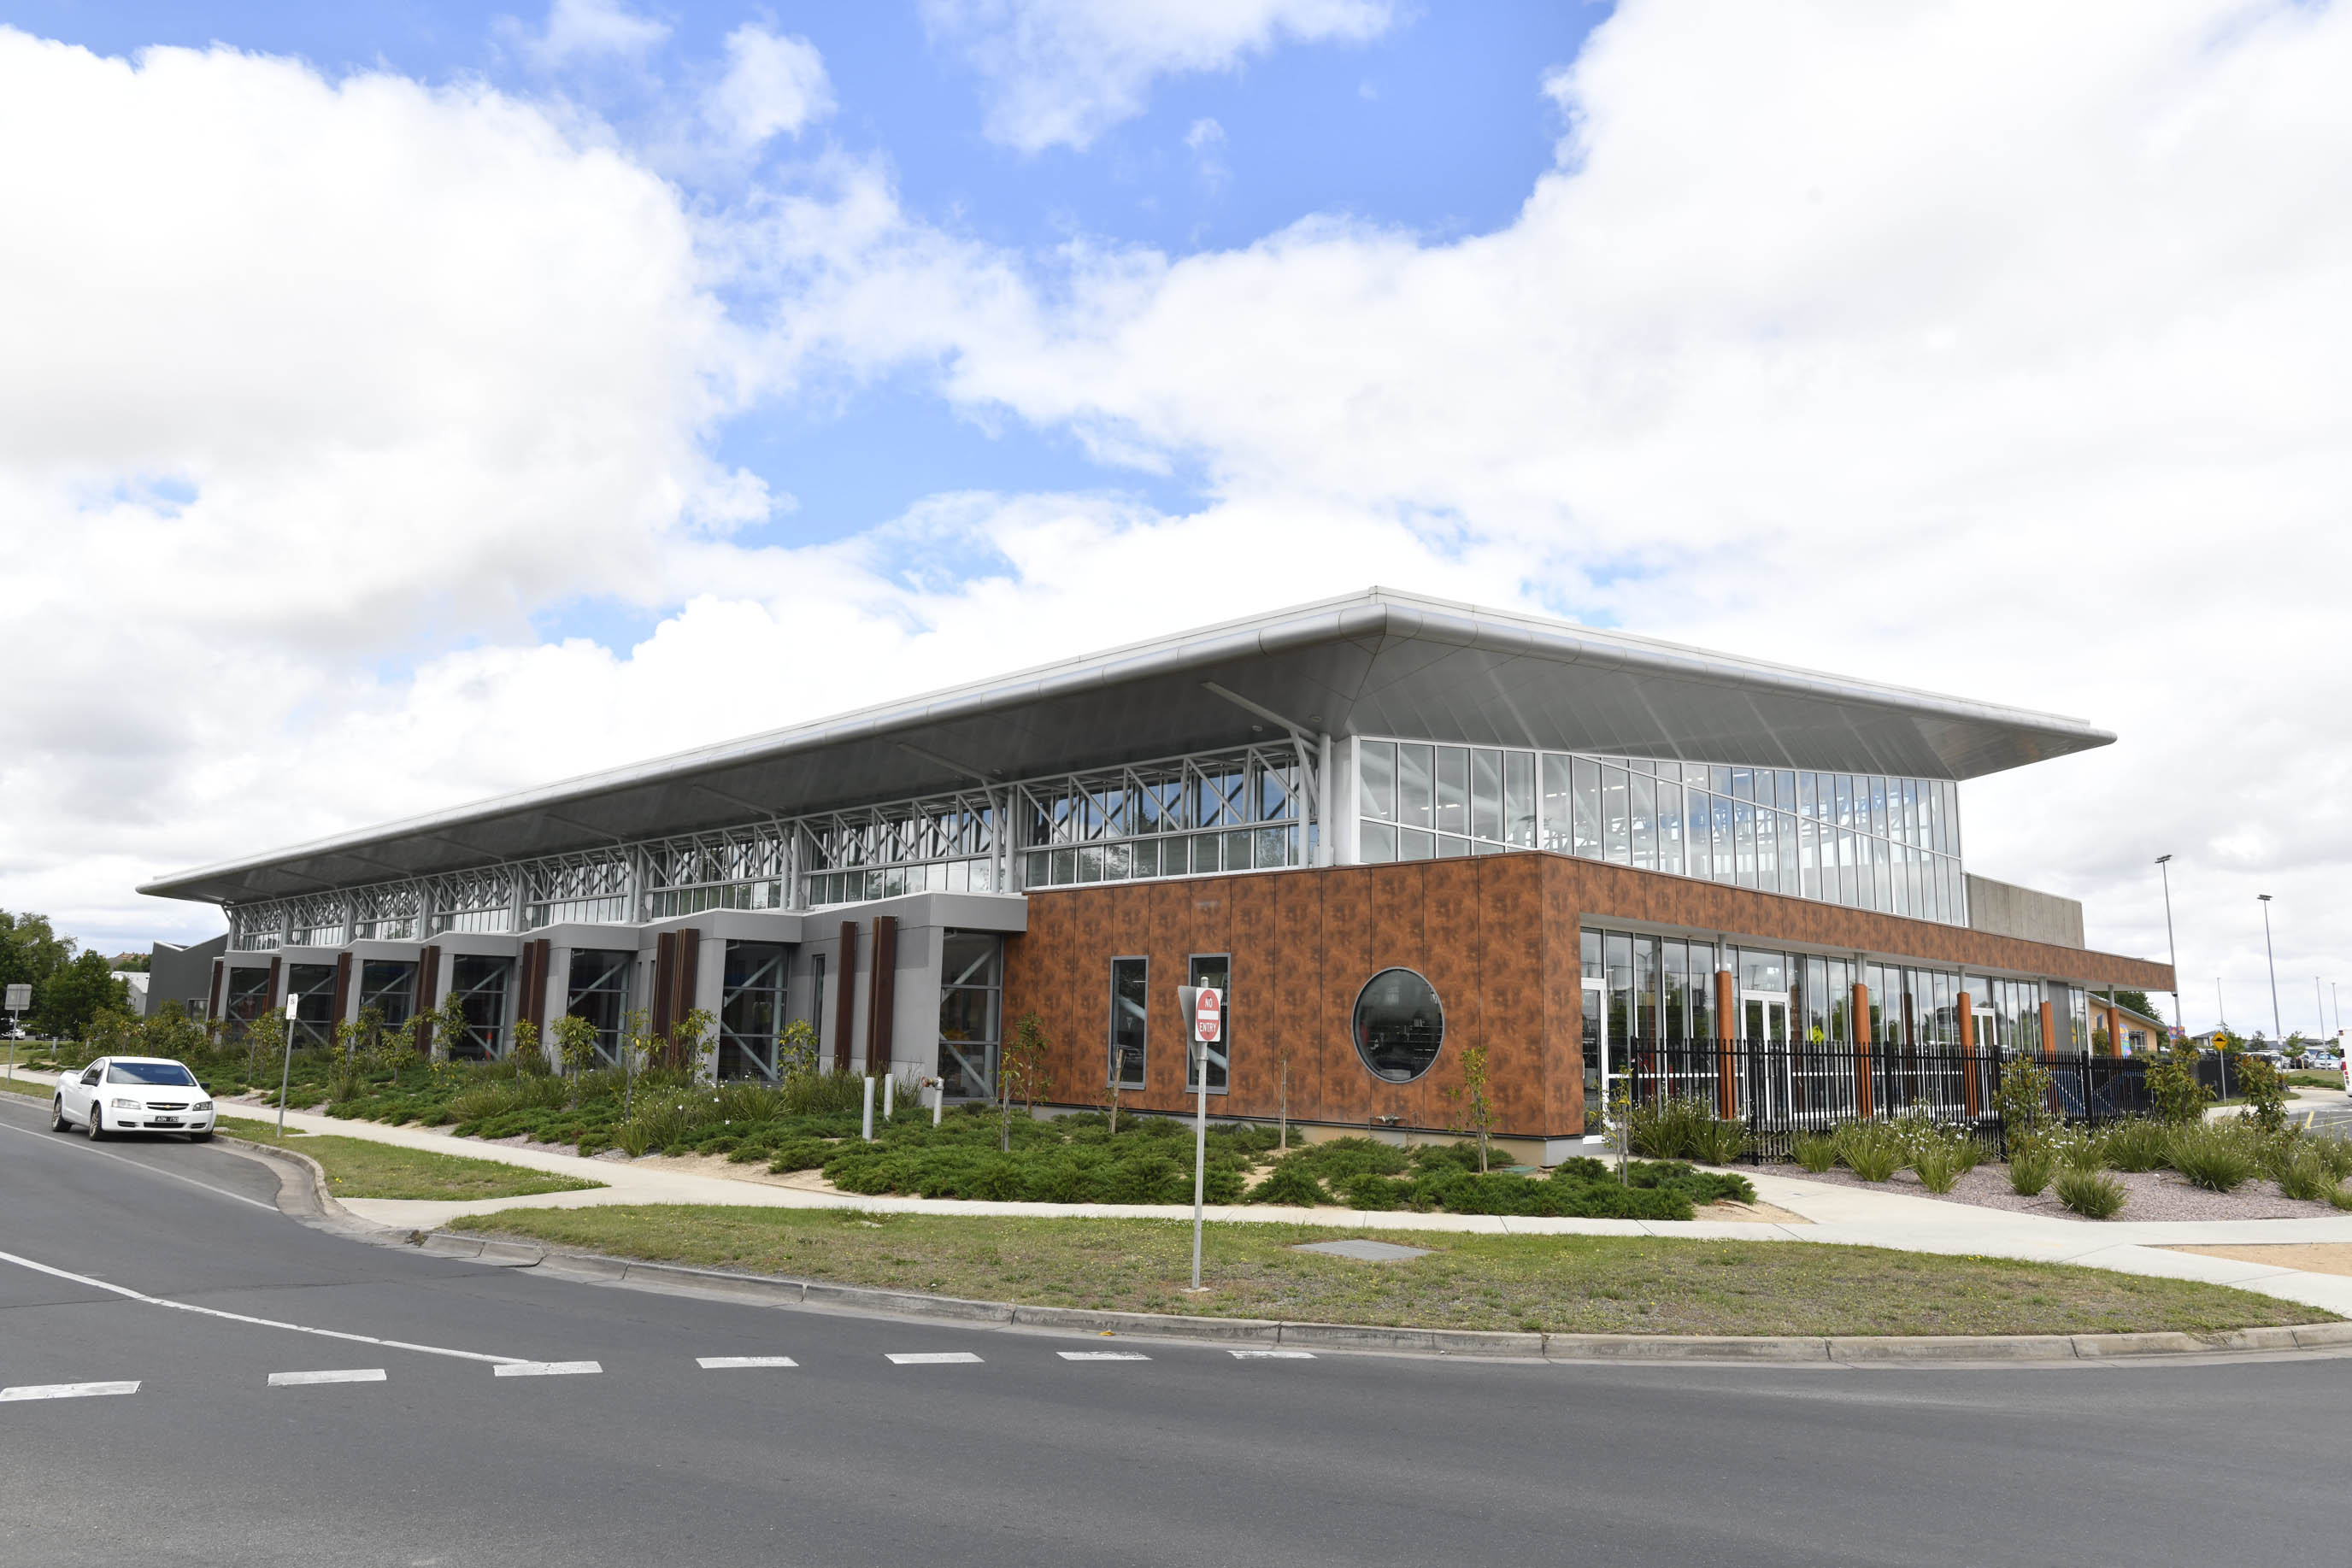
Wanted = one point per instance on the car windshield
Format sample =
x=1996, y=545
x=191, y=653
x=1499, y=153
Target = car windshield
x=170, y=1073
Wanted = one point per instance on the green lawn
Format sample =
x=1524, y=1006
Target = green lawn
x=1563, y=1284
x=358, y=1169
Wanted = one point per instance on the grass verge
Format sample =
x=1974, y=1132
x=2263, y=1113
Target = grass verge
x=1561, y=1284
x=357, y=1168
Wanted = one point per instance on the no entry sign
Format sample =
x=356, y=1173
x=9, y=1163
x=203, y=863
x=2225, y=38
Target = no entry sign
x=1208, y=1011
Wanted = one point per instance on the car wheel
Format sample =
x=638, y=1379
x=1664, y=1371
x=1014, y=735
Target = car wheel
x=97, y=1123
x=58, y=1123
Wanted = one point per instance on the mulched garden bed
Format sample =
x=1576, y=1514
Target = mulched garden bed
x=2150, y=1194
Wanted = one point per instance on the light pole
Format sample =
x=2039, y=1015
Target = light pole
x=2276, y=1032
x=2170, y=946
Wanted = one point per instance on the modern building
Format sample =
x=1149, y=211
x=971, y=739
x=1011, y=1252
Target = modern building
x=1390, y=827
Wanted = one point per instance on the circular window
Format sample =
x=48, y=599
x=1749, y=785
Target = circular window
x=1399, y=1025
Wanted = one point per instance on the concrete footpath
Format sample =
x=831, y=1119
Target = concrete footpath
x=1828, y=1214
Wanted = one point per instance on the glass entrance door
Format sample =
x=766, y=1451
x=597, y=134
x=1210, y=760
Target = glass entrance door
x=1988, y=1032
x=1764, y=1030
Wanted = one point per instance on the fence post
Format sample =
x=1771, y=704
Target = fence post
x=1727, y=1031
x=1858, y=1026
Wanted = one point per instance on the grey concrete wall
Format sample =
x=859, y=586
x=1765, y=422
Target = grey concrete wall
x=182, y=975
x=2003, y=909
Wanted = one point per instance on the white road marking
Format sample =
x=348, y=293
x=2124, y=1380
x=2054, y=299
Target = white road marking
x=545, y=1369
x=1102, y=1355
x=1271, y=1354
x=67, y=1390
x=54, y=1142
x=338, y=1375
x=729, y=1363
x=934, y=1358
x=125, y=1291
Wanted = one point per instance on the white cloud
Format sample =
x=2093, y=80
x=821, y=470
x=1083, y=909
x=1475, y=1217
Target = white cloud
x=1062, y=72
x=1990, y=354
x=775, y=84
x=587, y=31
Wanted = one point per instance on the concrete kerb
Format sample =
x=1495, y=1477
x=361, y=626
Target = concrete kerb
x=1851, y=1351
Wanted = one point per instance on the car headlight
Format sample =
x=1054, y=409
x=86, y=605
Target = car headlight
x=125, y=1105
x=202, y=1106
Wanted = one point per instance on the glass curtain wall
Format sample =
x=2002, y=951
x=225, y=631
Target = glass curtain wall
x=971, y=1010
x=598, y=990
x=313, y=986
x=751, y=1010
x=1194, y=816
x=1892, y=845
x=245, y=996
x=2016, y=1014
x=480, y=982
x=388, y=988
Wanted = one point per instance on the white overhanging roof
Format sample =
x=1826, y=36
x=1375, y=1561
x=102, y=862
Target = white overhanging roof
x=1376, y=662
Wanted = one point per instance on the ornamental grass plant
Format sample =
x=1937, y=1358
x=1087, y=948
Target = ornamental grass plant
x=2217, y=1158
x=2031, y=1166
x=2091, y=1193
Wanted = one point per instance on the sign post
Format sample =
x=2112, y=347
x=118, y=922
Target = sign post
x=1205, y=1006
x=286, y=1072
x=19, y=997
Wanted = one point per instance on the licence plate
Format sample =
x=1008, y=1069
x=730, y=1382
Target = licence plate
x=164, y=1122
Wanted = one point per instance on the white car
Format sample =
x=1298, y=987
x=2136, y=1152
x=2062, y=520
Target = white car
x=134, y=1093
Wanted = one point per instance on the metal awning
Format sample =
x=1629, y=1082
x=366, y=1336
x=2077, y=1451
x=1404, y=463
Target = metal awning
x=1376, y=662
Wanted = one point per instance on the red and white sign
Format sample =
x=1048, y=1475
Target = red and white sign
x=1208, y=1013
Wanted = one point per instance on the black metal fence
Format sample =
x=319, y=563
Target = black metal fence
x=1783, y=1090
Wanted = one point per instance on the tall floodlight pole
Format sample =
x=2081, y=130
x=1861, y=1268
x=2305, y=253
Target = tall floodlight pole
x=2170, y=946
x=2276, y=1032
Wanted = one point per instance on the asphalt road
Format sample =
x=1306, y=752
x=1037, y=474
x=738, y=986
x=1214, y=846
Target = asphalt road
x=1024, y=1457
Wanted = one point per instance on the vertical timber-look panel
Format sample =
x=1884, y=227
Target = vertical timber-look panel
x=689, y=973
x=1344, y=1087
x=2115, y=1031
x=1450, y=937
x=2049, y=1034
x=1726, y=1032
x=1563, y=969
x=1299, y=1026
x=536, y=957
x=427, y=995
x=1511, y=988
x=1858, y=1013
x=882, y=984
x=1259, y=975
x=665, y=980
x=342, y=991
x=845, y=997
x=1968, y=1042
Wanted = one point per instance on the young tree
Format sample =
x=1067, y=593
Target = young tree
x=796, y=1051
x=576, y=1043
x=1474, y=1097
x=448, y=1028
x=690, y=1037
x=528, y=1054
x=1020, y=1073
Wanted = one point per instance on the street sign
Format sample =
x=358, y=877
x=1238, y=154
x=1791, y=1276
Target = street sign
x=20, y=999
x=1208, y=1012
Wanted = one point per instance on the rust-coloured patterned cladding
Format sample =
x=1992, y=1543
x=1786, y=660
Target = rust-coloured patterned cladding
x=1513, y=1023
x=1450, y=936
x=1341, y=1085
x=1300, y=1000
x=1563, y=980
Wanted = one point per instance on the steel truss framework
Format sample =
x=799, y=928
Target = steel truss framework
x=977, y=834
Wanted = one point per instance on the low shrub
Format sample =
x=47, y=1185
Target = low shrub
x=2214, y=1158
x=800, y=1155
x=1371, y=1190
x=2138, y=1145
x=1817, y=1152
x=2031, y=1167
x=2304, y=1174
x=1684, y=1128
x=1938, y=1166
x=2333, y=1153
x=1871, y=1150
x=2092, y=1194
x=1293, y=1183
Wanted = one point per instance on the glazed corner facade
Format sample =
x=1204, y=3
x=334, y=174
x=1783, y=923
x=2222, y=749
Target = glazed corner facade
x=1499, y=938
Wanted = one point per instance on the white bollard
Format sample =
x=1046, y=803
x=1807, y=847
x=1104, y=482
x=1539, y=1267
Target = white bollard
x=890, y=1095
x=940, y=1099
x=870, y=1110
